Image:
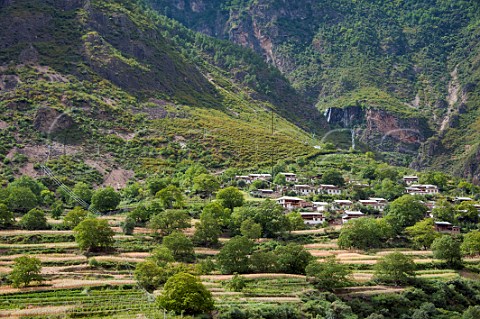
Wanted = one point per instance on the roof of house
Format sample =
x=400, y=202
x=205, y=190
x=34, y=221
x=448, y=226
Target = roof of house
x=353, y=213
x=288, y=174
x=289, y=198
x=311, y=213
x=320, y=203
x=443, y=223
x=368, y=201
x=328, y=186
x=463, y=199
x=343, y=201
x=410, y=177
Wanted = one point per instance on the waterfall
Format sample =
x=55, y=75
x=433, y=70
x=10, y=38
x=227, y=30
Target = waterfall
x=353, y=139
x=328, y=114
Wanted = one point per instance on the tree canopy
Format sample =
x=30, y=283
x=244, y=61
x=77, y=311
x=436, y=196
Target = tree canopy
x=328, y=274
x=230, y=197
x=93, y=235
x=184, y=293
x=395, y=267
x=233, y=257
x=406, y=211
x=25, y=270
x=365, y=233
x=448, y=248
x=105, y=199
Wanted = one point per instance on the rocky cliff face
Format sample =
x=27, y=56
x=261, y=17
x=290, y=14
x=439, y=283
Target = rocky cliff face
x=381, y=130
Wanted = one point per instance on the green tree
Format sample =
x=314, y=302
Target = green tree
x=83, y=191
x=447, y=248
x=28, y=182
x=25, y=270
x=34, y=220
x=406, y=211
x=156, y=183
x=161, y=255
x=47, y=197
x=395, y=267
x=180, y=245
x=184, y=293
x=6, y=217
x=233, y=257
x=328, y=274
x=237, y=283
x=171, y=197
x=230, y=197
x=422, y=233
x=365, y=233
x=334, y=177
x=250, y=229
x=268, y=214
x=132, y=191
x=293, y=258
x=435, y=178
x=205, y=185
x=21, y=199
x=57, y=209
x=264, y=262
x=105, y=199
x=471, y=243
x=388, y=189
x=466, y=211
x=143, y=212
x=217, y=211
x=149, y=275
x=207, y=230
x=472, y=312
x=168, y=221
x=192, y=172
x=296, y=221
x=444, y=211
x=385, y=171
x=128, y=225
x=280, y=179
x=74, y=217
x=93, y=235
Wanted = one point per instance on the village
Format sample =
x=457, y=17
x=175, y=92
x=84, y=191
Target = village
x=339, y=210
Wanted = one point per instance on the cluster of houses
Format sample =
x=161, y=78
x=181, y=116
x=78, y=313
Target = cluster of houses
x=313, y=213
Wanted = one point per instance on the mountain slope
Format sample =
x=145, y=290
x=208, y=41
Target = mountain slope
x=84, y=78
x=391, y=70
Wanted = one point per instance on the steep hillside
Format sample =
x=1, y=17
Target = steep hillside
x=395, y=71
x=106, y=89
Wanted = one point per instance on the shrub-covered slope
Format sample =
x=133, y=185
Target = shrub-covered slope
x=114, y=84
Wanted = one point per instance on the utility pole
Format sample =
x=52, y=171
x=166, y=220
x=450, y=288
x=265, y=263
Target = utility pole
x=271, y=148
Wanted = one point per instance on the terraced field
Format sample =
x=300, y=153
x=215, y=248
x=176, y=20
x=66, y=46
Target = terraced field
x=75, y=288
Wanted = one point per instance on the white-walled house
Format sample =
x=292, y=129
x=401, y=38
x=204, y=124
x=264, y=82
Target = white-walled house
x=320, y=206
x=417, y=189
x=410, y=179
x=304, y=190
x=349, y=215
x=290, y=177
x=329, y=189
x=291, y=203
x=312, y=218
